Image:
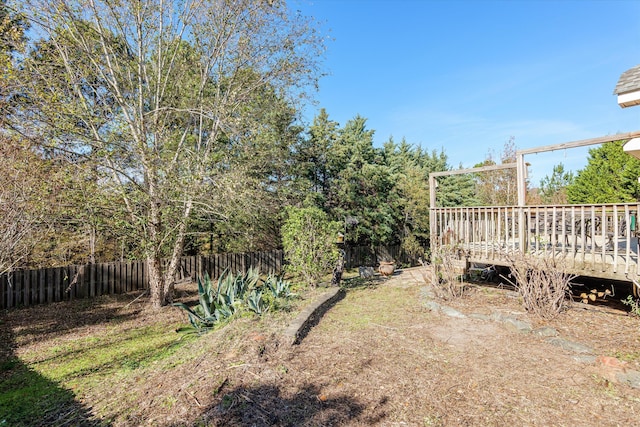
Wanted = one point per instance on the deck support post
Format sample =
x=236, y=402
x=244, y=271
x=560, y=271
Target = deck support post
x=521, y=171
x=433, y=185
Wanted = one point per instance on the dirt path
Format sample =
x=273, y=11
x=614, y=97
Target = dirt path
x=380, y=358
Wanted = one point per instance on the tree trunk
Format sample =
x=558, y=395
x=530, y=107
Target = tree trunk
x=92, y=244
x=174, y=262
x=156, y=281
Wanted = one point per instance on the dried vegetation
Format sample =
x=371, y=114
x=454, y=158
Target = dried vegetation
x=542, y=282
x=377, y=358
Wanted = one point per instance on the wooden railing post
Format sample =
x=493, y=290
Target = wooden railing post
x=521, y=171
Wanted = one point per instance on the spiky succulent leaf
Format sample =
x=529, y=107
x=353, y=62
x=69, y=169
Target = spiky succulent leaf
x=189, y=310
x=254, y=302
x=223, y=312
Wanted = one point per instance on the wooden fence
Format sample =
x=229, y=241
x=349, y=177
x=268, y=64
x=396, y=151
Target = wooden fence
x=30, y=287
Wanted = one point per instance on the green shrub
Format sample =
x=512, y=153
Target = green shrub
x=309, y=239
x=633, y=303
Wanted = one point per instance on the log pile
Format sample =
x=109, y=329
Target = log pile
x=594, y=295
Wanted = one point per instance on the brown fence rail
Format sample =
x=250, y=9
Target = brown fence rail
x=31, y=287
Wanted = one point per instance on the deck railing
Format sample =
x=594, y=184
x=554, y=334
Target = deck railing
x=598, y=239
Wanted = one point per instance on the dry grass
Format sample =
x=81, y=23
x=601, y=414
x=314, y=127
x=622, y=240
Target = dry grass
x=376, y=358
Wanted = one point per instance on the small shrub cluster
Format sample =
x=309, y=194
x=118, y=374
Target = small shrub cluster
x=234, y=294
x=543, y=283
x=633, y=303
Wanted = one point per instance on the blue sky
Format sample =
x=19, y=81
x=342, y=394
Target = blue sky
x=465, y=76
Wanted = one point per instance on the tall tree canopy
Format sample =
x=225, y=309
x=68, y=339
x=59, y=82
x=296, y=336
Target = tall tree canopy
x=553, y=189
x=162, y=96
x=611, y=176
x=380, y=194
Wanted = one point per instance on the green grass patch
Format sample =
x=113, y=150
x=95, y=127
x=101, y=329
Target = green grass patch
x=26, y=397
x=47, y=379
x=633, y=356
x=124, y=351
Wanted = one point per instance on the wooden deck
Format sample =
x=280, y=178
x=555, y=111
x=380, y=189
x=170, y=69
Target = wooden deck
x=593, y=240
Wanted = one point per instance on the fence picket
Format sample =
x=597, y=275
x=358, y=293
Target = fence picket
x=19, y=288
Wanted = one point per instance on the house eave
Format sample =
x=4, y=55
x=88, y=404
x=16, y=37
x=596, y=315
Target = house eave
x=632, y=147
x=629, y=99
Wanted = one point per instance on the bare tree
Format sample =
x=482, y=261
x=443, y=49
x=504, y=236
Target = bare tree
x=20, y=215
x=499, y=188
x=159, y=94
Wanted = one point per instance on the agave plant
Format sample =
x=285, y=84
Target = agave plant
x=204, y=315
x=221, y=301
x=255, y=303
x=233, y=288
x=279, y=287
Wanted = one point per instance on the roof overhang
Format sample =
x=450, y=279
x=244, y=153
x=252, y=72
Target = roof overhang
x=632, y=147
x=629, y=99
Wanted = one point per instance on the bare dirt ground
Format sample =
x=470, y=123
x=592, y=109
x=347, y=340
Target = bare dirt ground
x=378, y=357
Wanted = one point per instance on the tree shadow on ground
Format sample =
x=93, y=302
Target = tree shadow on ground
x=316, y=316
x=268, y=405
x=30, y=399
x=55, y=319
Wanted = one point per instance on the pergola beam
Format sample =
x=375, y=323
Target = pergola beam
x=521, y=166
x=581, y=143
x=433, y=184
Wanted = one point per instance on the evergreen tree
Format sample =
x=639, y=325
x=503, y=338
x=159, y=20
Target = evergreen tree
x=611, y=176
x=360, y=185
x=312, y=160
x=553, y=189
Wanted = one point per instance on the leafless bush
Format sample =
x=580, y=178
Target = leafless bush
x=447, y=279
x=542, y=282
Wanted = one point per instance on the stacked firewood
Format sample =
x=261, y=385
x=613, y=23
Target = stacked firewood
x=593, y=295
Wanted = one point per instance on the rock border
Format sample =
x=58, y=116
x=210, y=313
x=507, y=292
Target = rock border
x=311, y=315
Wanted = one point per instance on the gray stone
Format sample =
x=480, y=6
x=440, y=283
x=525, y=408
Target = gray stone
x=425, y=292
x=432, y=305
x=630, y=378
x=452, y=312
x=545, y=331
x=511, y=322
x=497, y=316
x=366, y=272
x=479, y=316
x=574, y=347
x=517, y=325
x=585, y=358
